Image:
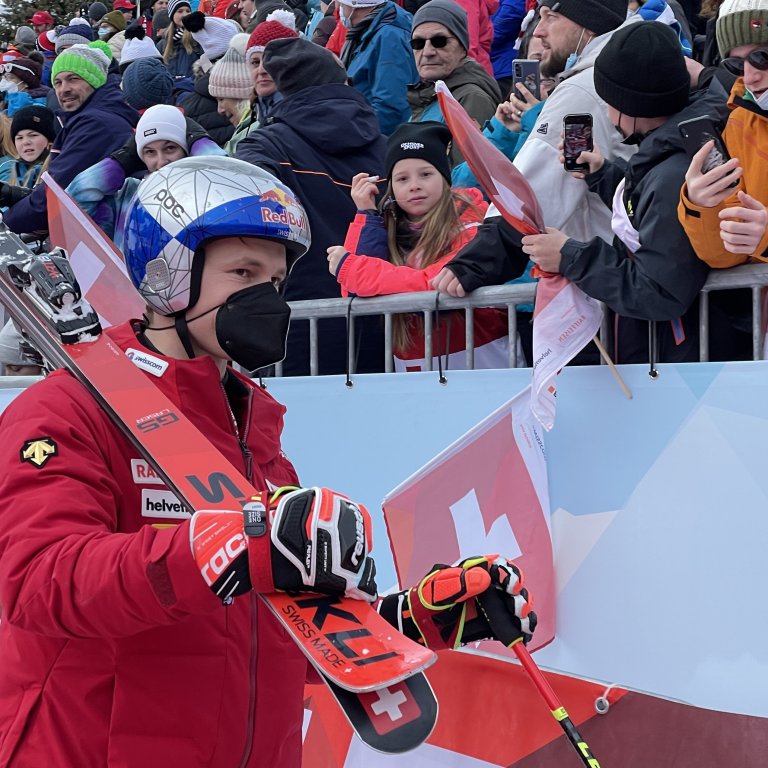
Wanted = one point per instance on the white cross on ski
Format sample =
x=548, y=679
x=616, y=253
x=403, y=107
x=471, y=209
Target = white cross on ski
x=389, y=702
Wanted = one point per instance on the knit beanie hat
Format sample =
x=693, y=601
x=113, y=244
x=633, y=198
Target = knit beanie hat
x=429, y=141
x=161, y=122
x=28, y=70
x=76, y=34
x=25, y=36
x=10, y=55
x=34, y=118
x=87, y=61
x=297, y=63
x=211, y=33
x=137, y=46
x=46, y=41
x=598, y=16
x=742, y=22
x=264, y=33
x=96, y=12
x=239, y=42
x=230, y=78
x=451, y=15
x=161, y=20
x=115, y=19
x=147, y=82
x=174, y=5
x=625, y=81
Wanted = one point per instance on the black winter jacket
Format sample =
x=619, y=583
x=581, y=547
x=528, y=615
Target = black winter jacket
x=315, y=141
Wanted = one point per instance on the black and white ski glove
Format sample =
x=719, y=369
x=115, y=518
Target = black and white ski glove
x=291, y=540
x=481, y=598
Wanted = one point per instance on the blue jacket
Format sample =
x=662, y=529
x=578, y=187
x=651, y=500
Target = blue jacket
x=102, y=125
x=381, y=65
x=506, y=29
x=303, y=146
x=16, y=101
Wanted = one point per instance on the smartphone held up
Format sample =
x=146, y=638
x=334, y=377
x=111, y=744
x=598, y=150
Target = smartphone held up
x=577, y=138
x=526, y=72
x=696, y=133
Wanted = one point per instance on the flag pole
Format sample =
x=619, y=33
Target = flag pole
x=555, y=707
x=614, y=370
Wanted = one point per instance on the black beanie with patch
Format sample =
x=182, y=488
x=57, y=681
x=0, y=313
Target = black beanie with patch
x=429, y=141
x=641, y=71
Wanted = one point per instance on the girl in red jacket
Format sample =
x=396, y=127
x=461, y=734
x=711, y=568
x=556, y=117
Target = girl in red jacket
x=421, y=225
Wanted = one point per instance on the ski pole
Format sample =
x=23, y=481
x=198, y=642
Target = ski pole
x=555, y=707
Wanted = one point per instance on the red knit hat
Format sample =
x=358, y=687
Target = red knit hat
x=265, y=33
x=45, y=43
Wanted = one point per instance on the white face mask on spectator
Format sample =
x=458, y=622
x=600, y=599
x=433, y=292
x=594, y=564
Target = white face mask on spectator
x=761, y=101
x=6, y=86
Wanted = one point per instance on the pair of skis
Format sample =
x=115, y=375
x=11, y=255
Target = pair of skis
x=374, y=673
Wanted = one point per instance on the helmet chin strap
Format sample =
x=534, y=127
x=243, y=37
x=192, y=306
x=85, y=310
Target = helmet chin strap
x=180, y=324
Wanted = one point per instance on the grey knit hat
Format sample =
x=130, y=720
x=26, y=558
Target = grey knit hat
x=75, y=34
x=598, y=16
x=451, y=15
x=25, y=36
x=742, y=22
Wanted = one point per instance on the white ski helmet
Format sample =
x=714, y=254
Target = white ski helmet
x=180, y=207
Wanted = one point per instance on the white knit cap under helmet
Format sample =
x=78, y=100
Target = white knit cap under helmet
x=161, y=122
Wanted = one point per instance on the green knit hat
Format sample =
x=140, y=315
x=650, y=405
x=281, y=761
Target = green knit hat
x=88, y=61
x=742, y=22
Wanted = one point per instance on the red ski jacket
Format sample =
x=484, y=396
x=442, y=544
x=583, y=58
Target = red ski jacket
x=114, y=651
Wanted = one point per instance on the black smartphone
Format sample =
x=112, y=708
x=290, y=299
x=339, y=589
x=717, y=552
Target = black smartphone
x=528, y=73
x=696, y=133
x=577, y=138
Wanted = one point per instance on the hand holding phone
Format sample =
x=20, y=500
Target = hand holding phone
x=526, y=72
x=577, y=138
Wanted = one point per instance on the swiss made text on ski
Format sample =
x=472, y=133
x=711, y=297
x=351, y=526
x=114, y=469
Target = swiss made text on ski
x=373, y=671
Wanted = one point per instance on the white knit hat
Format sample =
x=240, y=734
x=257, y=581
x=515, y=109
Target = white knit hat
x=161, y=122
x=230, y=78
x=215, y=35
x=137, y=46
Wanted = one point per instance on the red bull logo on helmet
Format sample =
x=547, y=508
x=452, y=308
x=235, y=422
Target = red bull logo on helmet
x=282, y=213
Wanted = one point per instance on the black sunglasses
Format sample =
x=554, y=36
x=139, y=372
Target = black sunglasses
x=438, y=41
x=757, y=59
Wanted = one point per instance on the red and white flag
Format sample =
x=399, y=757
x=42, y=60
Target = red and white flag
x=99, y=266
x=505, y=186
x=565, y=320
x=486, y=493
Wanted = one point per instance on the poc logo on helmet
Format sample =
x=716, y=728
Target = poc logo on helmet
x=169, y=203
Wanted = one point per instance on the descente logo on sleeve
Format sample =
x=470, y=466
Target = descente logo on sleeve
x=162, y=504
x=148, y=363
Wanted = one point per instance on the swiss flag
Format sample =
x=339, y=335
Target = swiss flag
x=99, y=266
x=487, y=493
x=389, y=708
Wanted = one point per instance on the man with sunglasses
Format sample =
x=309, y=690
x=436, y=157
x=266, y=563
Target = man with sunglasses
x=723, y=211
x=440, y=41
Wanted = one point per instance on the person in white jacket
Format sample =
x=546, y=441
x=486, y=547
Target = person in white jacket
x=573, y=33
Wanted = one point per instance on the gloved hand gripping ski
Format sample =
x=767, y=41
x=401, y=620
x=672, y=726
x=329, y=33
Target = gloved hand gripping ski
x=482, y=598
x=293, y=540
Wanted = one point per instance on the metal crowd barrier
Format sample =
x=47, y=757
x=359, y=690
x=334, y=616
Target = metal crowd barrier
x=752, y=276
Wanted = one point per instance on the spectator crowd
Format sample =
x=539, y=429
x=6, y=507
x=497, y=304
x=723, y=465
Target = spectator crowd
x=338, y=102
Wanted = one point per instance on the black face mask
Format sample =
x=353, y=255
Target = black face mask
x=252, y=325
x=633, y=139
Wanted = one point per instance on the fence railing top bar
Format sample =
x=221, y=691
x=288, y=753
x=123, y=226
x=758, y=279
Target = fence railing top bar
x=745, y=276
x=422, y=301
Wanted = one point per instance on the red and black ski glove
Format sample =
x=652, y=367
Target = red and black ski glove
x=482, y=598
x=292, y=540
